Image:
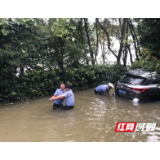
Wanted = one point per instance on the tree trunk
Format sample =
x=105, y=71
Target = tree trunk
x=81, y=35
x=61, y=64
x=81, y=30
x=60, y=60
x=89, y=44
x=97, y=40
x=126, y=50
x=21, y=70
x=122, y=38
x=133, y=37
x=102, y=48
x=128, y=46
x=120, y=23
x=108, y=38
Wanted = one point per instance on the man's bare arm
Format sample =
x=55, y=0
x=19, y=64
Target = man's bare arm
x=53, y=96
x=107, y=94
x=58, y=97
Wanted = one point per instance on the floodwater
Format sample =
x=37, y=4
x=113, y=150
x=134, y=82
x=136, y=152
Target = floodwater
x=93, y=119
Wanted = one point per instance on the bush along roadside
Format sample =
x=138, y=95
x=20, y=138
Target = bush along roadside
x=38, y=83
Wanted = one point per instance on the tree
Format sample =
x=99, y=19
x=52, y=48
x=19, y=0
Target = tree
x=122, y=33
x=88, y=39
x=135, y=40
x=148, y=34
x=35, y=55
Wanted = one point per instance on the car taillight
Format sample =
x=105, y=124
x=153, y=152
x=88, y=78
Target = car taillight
x=140, y=89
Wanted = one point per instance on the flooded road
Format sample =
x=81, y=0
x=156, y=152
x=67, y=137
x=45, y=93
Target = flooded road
x=94, y=118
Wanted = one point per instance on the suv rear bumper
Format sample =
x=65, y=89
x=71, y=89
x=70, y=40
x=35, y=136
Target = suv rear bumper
x=141, y=97
x=122, y=97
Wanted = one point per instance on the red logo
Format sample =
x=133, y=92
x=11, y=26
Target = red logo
x=125, y=127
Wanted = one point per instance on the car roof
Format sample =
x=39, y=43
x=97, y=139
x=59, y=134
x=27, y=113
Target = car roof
x=142, y=73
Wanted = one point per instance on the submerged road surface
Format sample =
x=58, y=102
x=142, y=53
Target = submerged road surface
x=94, y=118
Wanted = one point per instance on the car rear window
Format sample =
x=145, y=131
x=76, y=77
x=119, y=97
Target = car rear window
x=156, y=82
x=132, y=79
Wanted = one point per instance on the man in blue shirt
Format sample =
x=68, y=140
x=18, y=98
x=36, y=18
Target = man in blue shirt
x=68, y=96
x=59, y=102
x=103, y=89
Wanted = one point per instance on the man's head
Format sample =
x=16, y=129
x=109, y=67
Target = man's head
x=110, y=86
x=68, y=87
x=62, y=86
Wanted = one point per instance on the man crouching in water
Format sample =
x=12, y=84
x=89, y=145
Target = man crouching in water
x=103, y=89
x=68, y=96
x=59, y=102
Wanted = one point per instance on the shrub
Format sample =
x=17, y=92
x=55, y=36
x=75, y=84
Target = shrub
x=39, y=82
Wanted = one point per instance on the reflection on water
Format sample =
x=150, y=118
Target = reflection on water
x=94, y=118
x=135, y=101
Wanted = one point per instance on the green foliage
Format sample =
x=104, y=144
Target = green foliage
x=61, y=28
x=39, y=82
x=36, y=56
x=7, y=24
x=149, y=36
x=148, y=62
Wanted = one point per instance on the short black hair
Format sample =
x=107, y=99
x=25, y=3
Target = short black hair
x=68, y=86
x=109, y=88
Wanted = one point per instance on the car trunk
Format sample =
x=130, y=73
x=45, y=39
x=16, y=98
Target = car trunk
x=124, y=91
x=122, y=87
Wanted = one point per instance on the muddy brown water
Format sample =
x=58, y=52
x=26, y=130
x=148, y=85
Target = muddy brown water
x=94, y=118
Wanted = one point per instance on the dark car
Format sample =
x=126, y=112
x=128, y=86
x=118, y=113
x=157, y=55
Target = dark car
x=139, y=85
